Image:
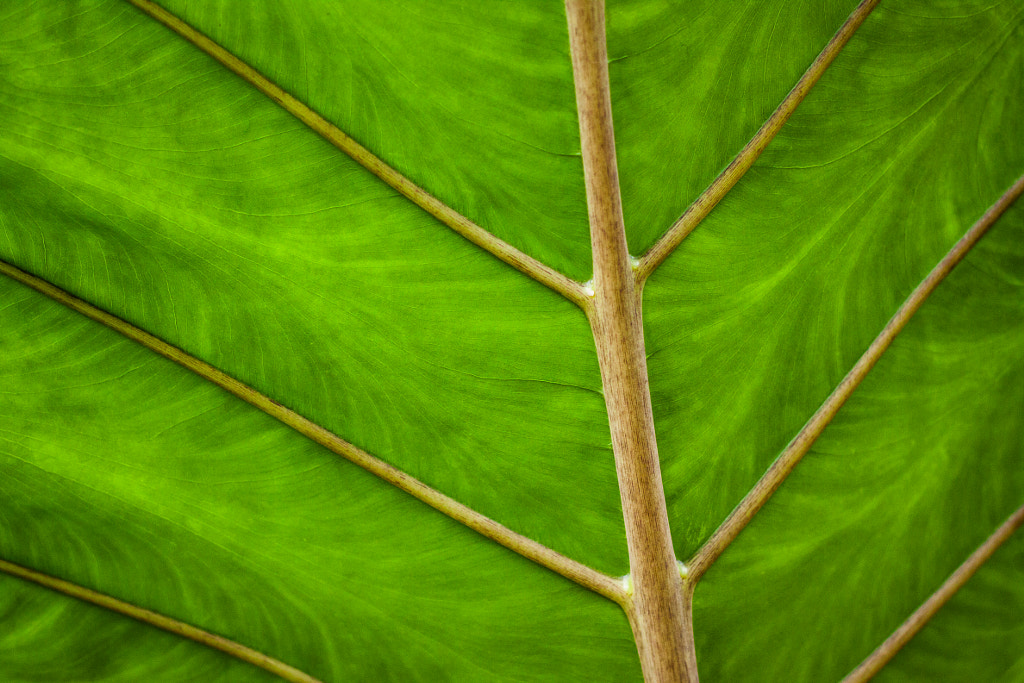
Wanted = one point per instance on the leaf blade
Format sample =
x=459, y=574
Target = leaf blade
x=907, y=481
x=276, y=259
x=414, y=82
x=759, y=314
x=172, y=626
x=48, y=637
x=130, y=475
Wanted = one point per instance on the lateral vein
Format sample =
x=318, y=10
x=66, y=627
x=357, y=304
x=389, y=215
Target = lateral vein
x=247, y=654
x=728, y=178
x=573, y=570
x=798, y=447
x=542, y=273
x=916, y=621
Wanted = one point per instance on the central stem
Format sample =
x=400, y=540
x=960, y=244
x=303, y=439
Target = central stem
x=657, y=611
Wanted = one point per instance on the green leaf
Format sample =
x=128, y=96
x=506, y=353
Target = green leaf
x=140, y=175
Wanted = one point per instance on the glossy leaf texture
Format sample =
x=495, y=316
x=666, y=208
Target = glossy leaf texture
x=143, y=177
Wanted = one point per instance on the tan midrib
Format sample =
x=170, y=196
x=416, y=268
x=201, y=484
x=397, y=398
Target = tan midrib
x=656, y=609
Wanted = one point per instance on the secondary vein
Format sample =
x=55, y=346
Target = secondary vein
x=247, y=654
x=916, y=621
x=582, y=574
x=728, y=178
x=798, y=447
x=522, y=262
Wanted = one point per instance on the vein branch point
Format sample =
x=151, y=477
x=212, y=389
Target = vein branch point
x=684, y=571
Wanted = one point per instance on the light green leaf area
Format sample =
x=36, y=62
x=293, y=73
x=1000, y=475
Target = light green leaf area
x=978, y=634
x=922, y=464
x=144, y=177
x=128, y=474
x=691, y=84
x=473, y=101
x=908, y=138
x=49, y=637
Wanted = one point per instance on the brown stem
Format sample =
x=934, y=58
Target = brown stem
x=246, y=654
x=798, y=447
x=916, y=621
x=657, y=611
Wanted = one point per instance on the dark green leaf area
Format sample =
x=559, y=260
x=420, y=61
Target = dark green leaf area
x=129, y=475
x=691, y=83
x=148, y=180
x=472, y=101
x=978, y=635
x=47, y=637
x=916, y=471
x=768, y=304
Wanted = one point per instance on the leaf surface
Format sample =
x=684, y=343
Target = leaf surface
x=140, y=175
x=917, y=469
x=126, y=473
x=240, y=236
